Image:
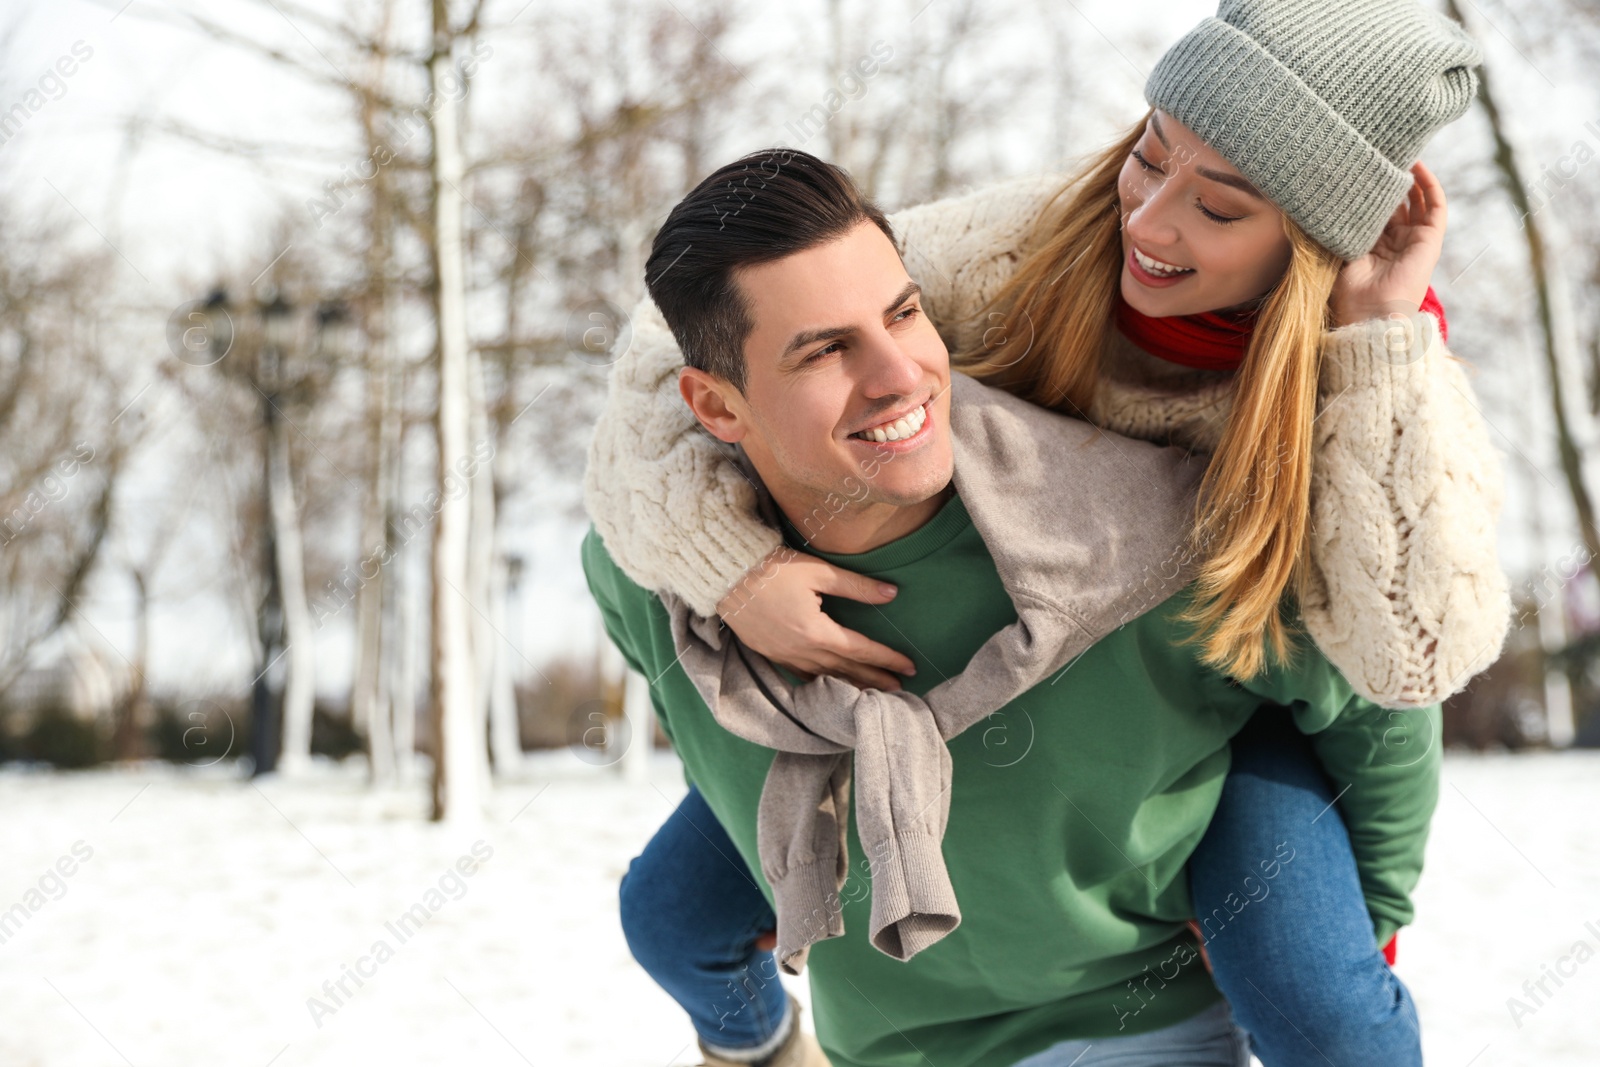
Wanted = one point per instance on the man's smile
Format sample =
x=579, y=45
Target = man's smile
x=902, y=427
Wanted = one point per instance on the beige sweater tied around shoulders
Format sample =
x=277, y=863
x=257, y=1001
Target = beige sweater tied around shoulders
x=1407, y=595
x=1108, y=542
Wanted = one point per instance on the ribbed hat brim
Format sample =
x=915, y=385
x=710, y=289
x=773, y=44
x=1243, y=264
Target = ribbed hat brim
x=1260, y=117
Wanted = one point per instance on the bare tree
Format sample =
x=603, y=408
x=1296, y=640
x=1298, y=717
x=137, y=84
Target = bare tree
x=289, y=551
x=63, y=442
x=457, y=792
x=372, y=702
x=1555, y=327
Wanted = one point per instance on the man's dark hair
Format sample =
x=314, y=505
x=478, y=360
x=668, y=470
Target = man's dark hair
x=768, y=205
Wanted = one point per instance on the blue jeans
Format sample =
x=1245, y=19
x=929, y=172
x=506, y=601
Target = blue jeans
x=1279, y=901
x=692, y=914
x=1297, y=962
x=1209, y=1039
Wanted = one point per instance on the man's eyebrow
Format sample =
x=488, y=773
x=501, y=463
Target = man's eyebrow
x=811, y=337
x=912, y=289
x=832, y=333
x=1229, y=179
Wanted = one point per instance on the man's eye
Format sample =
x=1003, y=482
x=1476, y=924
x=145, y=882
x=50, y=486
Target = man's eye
x=906, y=314
x=819, y=353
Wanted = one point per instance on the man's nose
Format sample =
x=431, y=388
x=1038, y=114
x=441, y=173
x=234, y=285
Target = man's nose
x=888, y=369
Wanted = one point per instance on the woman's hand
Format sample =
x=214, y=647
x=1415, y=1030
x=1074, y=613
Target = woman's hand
x=1393, y=277
x=776, y=609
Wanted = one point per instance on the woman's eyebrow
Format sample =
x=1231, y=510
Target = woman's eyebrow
x=1206, y=172
x=1229, y=179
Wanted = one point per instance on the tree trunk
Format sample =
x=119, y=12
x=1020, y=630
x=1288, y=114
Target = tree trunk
x=129, y=712
x=456, y=791
x=367, y=706
x=1553, y=313
x=482, y=575
x=266, y=695
x=403, y=675
x=640, y=715
x=505, y=735
x=400, y=625
x=299, y=693
x=369, y=703
x=838, y=137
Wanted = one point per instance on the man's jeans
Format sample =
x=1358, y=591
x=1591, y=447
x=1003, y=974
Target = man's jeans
x=1299, y=964
x=1209, y=1039
x=692, y=914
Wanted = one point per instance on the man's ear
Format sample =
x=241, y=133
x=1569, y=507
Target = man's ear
x=715, y=402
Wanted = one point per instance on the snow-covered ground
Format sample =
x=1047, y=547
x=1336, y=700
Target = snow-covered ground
x=202, y=914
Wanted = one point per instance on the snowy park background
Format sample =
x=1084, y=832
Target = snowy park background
x=210, y=914
x=258, y=258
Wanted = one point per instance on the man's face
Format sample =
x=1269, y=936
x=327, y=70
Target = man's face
x=841, y=354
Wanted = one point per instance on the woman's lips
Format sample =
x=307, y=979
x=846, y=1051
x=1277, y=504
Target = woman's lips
x=1154, y=281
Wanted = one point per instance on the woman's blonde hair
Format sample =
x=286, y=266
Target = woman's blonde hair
x=1253, y=514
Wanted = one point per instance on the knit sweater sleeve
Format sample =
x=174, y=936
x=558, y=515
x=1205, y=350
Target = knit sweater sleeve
x=1406, y=595
x=674, y=512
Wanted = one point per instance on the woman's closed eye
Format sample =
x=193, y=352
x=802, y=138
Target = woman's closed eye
x=1214, y=217
x=1145, y=163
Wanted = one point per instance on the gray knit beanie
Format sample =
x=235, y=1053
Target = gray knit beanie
x=1323, y=105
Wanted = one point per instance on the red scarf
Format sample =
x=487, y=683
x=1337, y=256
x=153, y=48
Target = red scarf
x=1212, y=340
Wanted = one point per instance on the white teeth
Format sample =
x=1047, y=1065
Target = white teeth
x=1155, y=266
x=898, y=430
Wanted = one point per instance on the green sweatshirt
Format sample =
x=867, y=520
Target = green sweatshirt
x=1073, y=811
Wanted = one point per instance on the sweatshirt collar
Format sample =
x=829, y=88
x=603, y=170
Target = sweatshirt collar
x=947, y=524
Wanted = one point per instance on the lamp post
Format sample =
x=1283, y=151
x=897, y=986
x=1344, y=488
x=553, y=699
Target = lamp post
x=336, y=331
x=266, y=697
x=284, y=681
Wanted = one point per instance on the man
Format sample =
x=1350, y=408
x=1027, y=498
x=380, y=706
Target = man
x=805, y=345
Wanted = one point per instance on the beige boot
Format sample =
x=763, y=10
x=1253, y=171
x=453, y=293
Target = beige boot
x=800, y=1049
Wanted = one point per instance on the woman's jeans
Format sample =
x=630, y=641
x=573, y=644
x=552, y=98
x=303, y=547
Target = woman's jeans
x=1297, y=960
x=1295, y=953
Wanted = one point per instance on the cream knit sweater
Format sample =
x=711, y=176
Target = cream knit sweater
x=1407, y=595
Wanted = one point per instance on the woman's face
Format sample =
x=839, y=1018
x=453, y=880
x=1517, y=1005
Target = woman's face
x=1196, y=236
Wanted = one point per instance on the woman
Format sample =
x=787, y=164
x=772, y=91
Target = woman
x=1225, y=277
